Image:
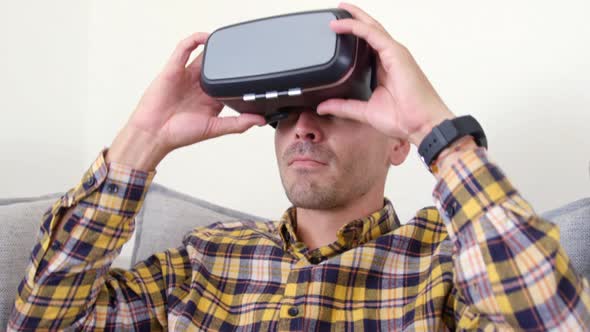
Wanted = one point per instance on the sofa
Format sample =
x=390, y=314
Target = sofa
x=167, y=215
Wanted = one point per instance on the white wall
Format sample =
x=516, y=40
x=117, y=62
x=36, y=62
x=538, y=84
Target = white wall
x=43, y=81
x=72, y=74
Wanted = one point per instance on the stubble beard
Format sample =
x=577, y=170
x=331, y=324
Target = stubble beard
x=310, y=191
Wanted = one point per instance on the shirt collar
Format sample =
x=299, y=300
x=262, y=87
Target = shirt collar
x=350, y=235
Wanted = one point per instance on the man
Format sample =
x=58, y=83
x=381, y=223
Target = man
x=339, y=258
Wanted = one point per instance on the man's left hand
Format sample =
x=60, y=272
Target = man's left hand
x=404, y=104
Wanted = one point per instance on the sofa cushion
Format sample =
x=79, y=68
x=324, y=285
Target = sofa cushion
x=167, y=215
x=573, y=220
x=20, y=219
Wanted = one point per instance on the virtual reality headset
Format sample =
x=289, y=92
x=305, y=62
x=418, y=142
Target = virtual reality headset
x=272, y=65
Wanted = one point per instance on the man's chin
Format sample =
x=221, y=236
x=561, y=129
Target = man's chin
x=312, y=204
x=312, y=198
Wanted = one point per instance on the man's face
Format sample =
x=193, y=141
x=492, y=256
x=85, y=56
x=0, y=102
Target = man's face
x=327, y=162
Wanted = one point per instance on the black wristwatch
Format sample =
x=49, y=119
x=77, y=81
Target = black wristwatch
x=448, y=132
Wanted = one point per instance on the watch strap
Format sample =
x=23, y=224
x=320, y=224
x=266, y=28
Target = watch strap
x=448, y=132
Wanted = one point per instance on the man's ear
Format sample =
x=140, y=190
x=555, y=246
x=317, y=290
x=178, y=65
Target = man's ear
x=399, y=150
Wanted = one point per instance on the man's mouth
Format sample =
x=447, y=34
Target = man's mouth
x=307, y=155
x=305, y=161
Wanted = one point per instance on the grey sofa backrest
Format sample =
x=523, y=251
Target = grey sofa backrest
x=168, y=215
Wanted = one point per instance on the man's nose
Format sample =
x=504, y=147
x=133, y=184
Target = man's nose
x=307, y=127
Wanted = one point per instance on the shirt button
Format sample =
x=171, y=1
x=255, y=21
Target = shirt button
x=451, y=209
x=293, y=311
x=316, y=260
x=90, y=181
x=112, y=188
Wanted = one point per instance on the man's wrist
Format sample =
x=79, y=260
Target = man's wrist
x=136, y=148
x=418, y=136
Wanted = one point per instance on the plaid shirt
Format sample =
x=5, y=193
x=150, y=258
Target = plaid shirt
x=481, y=259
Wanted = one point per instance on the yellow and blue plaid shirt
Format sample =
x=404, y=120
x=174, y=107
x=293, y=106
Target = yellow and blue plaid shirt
x=482, y=259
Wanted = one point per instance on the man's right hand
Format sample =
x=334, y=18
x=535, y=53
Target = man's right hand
x=174, y=112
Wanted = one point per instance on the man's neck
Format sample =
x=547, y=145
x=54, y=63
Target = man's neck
x=318, y=228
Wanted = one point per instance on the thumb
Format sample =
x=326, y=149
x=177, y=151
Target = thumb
x=344, y=108
x=234, y=124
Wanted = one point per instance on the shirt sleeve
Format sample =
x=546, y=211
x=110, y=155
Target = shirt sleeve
x=510, y=270
x=68, y=281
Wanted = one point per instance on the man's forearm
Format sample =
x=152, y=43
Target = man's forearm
x=81, y=235
x=133, y=148
x=136, y=149
x=66, y=216
x=509, y=264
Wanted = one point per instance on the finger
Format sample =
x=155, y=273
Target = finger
x=360, y=14
x=183, y=50
x=195, y=65
x=378, y=39
x=344, y=108
x=234, y=124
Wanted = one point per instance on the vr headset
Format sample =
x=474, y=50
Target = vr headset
x=272, y=65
